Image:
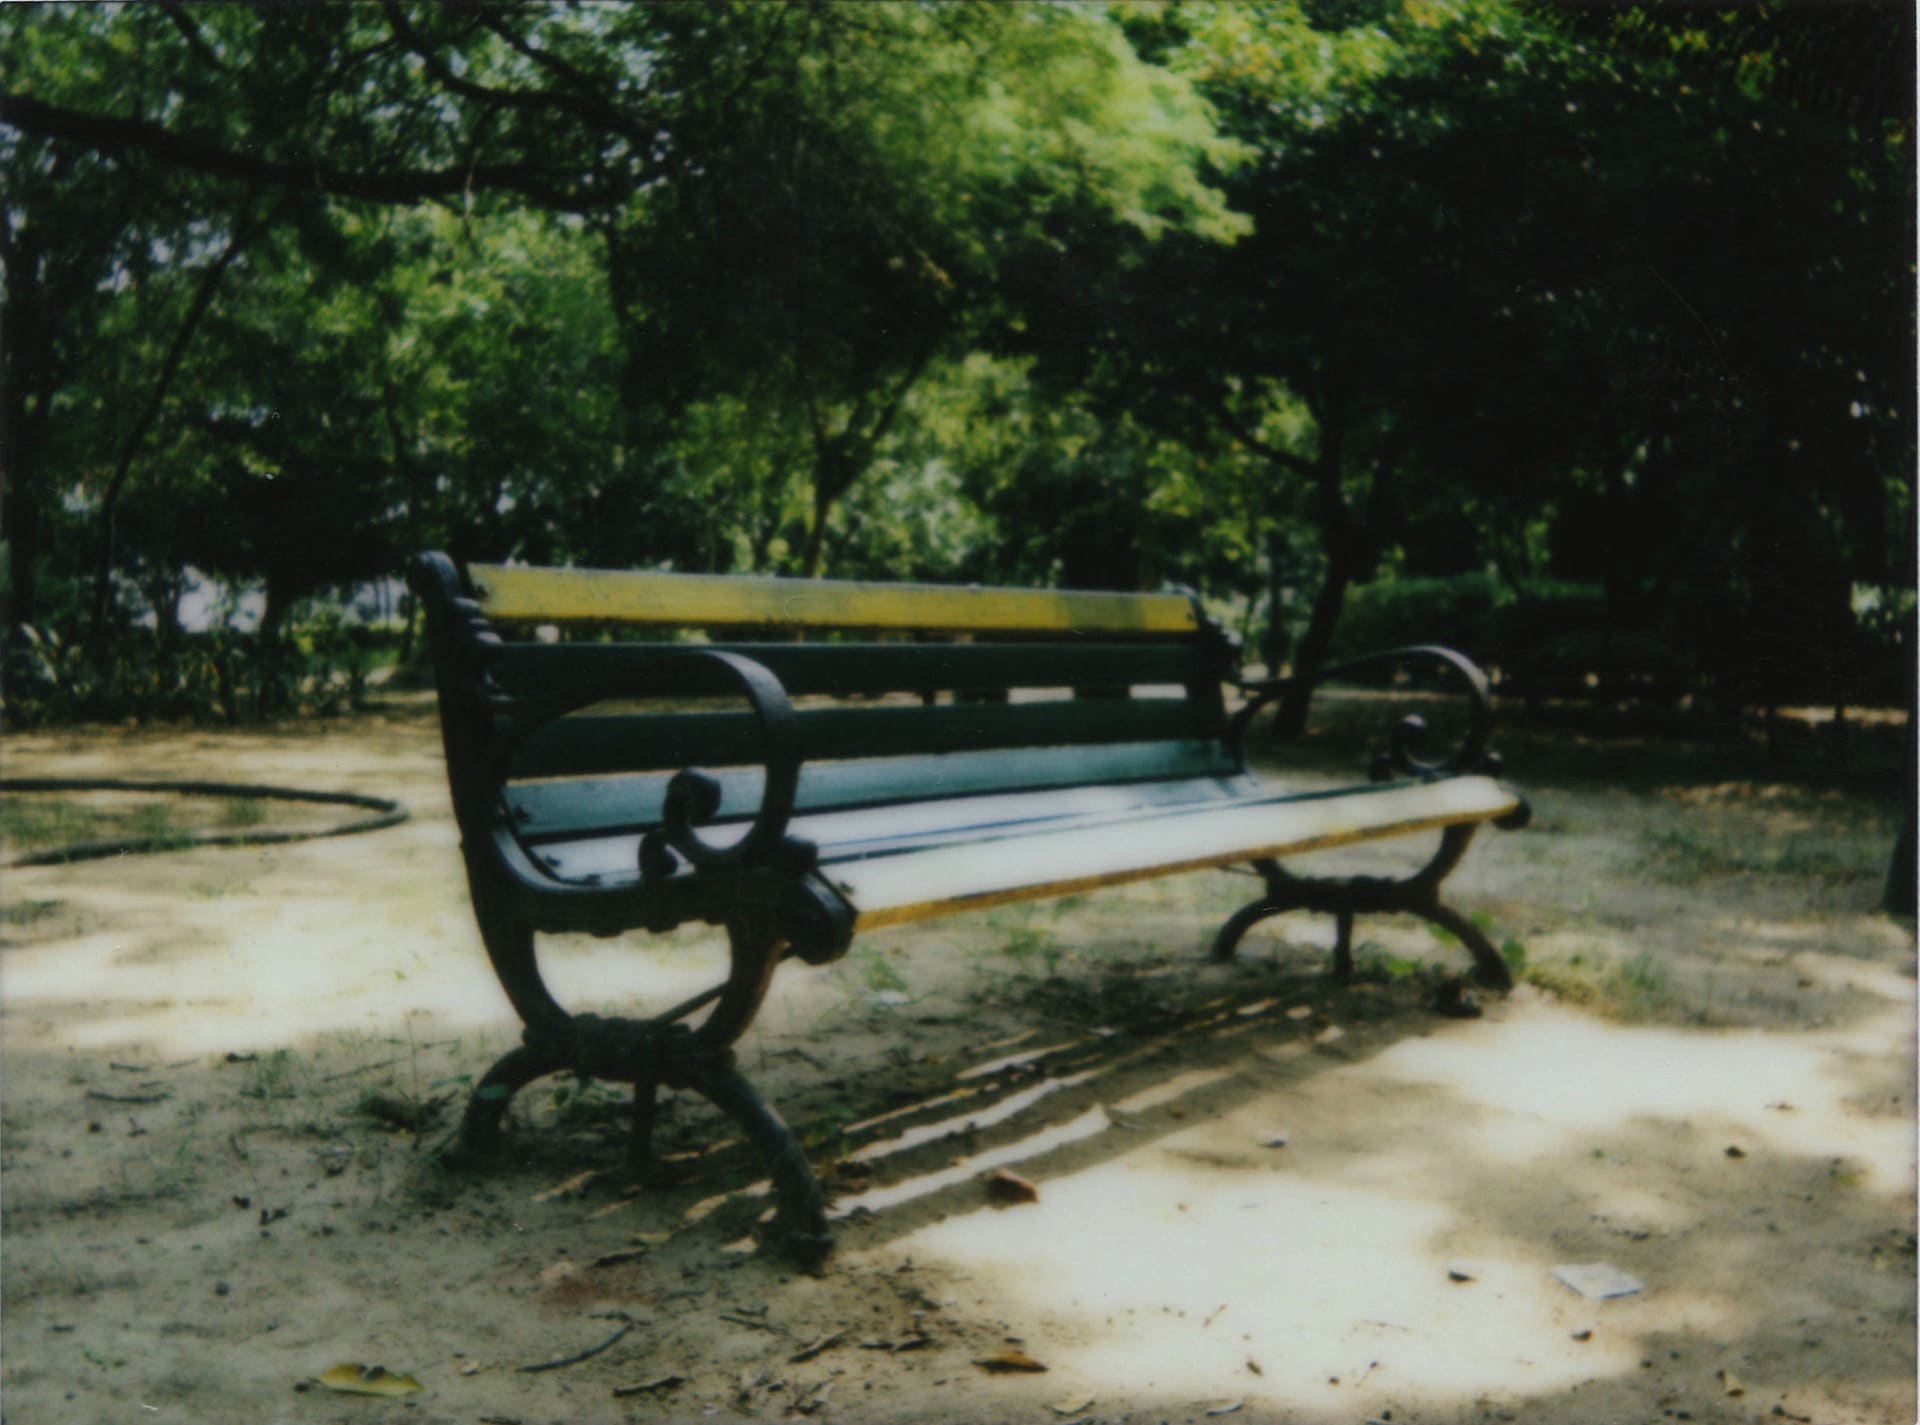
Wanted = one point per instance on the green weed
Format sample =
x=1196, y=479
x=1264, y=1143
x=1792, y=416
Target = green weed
x=1376, y=966
x=579, y=1101
x=1029, y=942
x=241, y=813
x=1636, y=989
x=29, y=912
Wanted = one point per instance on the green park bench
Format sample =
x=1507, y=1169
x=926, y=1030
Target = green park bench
x=802, y=760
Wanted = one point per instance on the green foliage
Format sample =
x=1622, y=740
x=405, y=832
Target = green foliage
x=1321, y=307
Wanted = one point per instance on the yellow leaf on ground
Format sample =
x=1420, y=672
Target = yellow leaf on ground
x=1009, y=1360
x=572, y=1187
x=1072, y=1407
x=351, y=1379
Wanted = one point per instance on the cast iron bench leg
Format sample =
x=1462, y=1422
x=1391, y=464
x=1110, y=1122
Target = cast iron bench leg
x=652, y=1054
x=1418, y=894
x=480, y=1126
x=800, y=1218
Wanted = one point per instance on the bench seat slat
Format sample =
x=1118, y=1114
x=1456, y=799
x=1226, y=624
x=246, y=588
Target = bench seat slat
x=920, y=885
x=567, y=671
x=581, y=746
x=847, y=835
x=549, y=811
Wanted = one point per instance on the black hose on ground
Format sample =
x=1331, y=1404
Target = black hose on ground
x=386, y=813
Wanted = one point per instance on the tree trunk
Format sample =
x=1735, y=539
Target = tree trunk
x=242, y=234
x=1343, y=566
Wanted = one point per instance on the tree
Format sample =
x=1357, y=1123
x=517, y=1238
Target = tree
x=1501, y=266
x=826, y=235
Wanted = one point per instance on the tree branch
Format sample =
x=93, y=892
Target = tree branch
x=586, y=101
x=1266, y=450
x=190, y=31
x=104, y=133
x=244, y=232
x=522, y=99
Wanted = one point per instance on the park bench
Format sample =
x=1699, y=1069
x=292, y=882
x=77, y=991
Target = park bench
x=802, y=760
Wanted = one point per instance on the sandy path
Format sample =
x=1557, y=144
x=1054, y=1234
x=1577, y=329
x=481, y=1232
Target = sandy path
x=1747, y=1152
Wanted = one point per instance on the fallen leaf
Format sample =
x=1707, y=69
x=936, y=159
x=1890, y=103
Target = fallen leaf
x=1010, y=1189
x=1072, y=1407
x=1330, y=1034
x=1734, y=1150
x=572, y=1187
x=645, y=1387
x=1730, y=1383
x=351, y=1379
x=614, y=1259
x=1003, y=1362
x=1300, y=1011
x=814, y=1348
x=1254, y=1366
x=1586, y=1335
x=1454, y=1274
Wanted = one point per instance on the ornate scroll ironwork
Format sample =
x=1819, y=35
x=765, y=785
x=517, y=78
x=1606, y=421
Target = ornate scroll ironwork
x=1471, y=755
x=693, y=796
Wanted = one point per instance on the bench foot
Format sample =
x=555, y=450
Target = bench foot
x=1418, y=894
x=479, y=1135
x=652, y=1057
x=1489, y=968
x=800, y=1216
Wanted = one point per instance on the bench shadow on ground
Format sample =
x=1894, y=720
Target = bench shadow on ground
x=1256, y=1185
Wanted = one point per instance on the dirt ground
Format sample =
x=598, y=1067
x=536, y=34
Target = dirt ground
x=1260, y=1198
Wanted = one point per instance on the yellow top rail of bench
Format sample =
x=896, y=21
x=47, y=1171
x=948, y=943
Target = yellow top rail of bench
x=516, y=594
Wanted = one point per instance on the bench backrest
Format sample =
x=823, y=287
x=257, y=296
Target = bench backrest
x=960, y=692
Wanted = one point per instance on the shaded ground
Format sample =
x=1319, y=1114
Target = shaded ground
x=1259, y=1197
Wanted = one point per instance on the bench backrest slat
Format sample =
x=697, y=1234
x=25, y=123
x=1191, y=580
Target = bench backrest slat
x=560, y=596
x=579, y=746
x=956, y=693
x=1154, y=773
x=564, y=671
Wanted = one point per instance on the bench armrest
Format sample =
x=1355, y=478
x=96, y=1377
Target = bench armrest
x=1471, y=755
x=694, y=797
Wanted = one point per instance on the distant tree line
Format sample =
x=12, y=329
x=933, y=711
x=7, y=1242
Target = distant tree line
x=1583, y=335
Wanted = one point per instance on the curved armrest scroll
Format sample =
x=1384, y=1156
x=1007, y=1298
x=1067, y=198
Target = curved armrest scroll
x=693, y=797
x=1471, y=755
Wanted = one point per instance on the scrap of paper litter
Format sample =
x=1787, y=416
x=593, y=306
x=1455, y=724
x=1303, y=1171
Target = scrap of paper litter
x=1597, y=1280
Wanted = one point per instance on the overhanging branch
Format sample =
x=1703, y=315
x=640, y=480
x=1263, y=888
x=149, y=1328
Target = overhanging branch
x=104, y=133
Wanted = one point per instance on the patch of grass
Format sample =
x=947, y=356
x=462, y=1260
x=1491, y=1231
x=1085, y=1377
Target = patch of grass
x=825, y=1136
x=1684, y=856
x=1515, y=954
x=1632, y=990
x=580, y=1102
x=1374, y=965
x=1027, y=943
x=29, y=912
x=241, y=813
x=1798, y=858
x=880, y=975
x=39, y=821
x=290, y=1088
